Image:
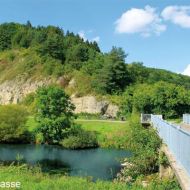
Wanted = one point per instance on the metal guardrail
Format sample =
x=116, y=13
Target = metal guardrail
x=186, y=118
x=177, y=140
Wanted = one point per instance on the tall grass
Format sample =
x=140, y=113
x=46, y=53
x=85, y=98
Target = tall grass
x=34, y=179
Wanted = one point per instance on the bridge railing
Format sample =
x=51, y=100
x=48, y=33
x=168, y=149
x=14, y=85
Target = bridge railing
x=177, y=140
x=186, y=118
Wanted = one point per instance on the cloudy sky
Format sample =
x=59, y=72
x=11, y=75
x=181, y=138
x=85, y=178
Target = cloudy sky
x=155, y=32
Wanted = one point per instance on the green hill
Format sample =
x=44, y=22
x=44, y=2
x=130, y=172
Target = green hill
x=36, y=53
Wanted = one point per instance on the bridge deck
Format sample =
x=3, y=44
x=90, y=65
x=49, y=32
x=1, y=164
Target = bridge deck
x=185, y=126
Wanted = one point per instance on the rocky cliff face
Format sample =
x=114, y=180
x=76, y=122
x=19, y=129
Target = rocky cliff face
x=89, y=104
x=14, y=91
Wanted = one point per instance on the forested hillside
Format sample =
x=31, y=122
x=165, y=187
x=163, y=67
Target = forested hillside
x=41, y=52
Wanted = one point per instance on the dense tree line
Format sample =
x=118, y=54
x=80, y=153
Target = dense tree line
x=48, y=40
x=141, y=74
x=163, y=98
x=66, y=54
x=69, y=52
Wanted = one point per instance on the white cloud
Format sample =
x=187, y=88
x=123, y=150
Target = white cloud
x=96, y=39
x=82, y=34
x=187, y=70
x=144, y=21
x=179, y=15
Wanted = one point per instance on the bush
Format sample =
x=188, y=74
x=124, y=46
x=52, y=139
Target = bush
x=39, y=138
x=12, y=124
x=144, y=144
x=53, y=130
x=79, y=139
x=83, y=84
x=52, y=67
x=29, y=102
x=164, y=184
x=85, y=115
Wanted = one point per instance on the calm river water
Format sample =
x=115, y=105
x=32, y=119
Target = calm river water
x=99, y=163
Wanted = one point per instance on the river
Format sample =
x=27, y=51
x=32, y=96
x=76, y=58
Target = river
x=98, y=163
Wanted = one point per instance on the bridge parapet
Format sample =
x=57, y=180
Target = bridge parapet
x=186, y=118
x=178, y=143
x=145, y=118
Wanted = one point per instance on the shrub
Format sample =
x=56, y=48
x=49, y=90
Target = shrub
x=12, y=124
x=144, y=144
x=39, y=138
x=79, y=139
x=52, y=67
x=83, y=84
x=29, y=102
x=163, y=159
x=164, y=184
x=85, y=115
x=53, y=130
x=29, y=99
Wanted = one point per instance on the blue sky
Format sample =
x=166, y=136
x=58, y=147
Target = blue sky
x=155, y=32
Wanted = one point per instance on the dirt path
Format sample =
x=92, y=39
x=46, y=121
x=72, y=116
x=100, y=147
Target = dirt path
x=96, y=120
x=186, y=127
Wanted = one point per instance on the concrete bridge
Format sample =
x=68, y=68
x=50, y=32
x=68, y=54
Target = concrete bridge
x=176, y=144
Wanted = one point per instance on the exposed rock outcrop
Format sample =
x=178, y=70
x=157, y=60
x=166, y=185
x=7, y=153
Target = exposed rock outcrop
x=89, y=104
x=112, y=110
x=14, y=91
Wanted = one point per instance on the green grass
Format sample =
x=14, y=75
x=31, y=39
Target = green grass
x=177, y=120
x=102, y=127
x=34, y=179
x=109, y=133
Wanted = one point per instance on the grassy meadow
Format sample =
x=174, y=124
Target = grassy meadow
x=109, y=133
